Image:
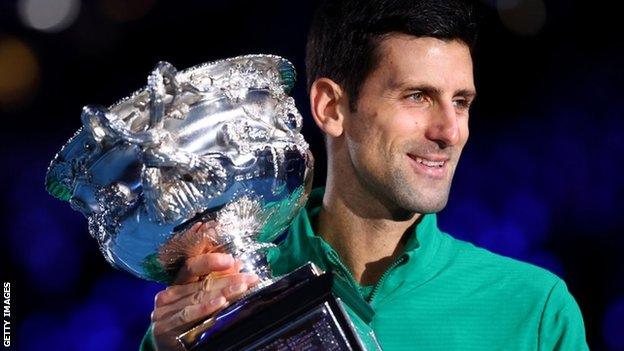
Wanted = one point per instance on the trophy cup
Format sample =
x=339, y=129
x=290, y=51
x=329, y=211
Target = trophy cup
x=219, y=141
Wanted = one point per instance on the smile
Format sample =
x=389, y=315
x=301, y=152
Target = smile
x=433, y=167
x=430, y=163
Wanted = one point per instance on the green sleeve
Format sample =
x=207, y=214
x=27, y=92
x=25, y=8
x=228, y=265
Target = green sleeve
x=147, y=344
x=561, y=327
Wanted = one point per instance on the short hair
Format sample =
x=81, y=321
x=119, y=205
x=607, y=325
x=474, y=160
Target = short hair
x=345, y=34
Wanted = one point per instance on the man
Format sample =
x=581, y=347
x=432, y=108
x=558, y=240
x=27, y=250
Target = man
x=390, y=84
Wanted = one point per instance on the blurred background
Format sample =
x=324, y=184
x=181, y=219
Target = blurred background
x=539, y=180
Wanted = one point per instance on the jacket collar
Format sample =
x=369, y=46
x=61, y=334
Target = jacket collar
x=302, y=244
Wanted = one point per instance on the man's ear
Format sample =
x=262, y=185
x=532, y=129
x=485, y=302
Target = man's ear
x=329, y=104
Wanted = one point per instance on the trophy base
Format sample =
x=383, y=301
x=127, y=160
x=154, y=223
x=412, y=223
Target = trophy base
x=297, y=312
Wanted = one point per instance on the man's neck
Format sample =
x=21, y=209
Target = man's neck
x=367, y=240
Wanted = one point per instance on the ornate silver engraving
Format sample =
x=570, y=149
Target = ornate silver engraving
x=183, y=148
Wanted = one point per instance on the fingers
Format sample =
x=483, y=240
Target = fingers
x=173, y=299
x=192, y=313
x=186, y=317
x=175, y=292
x=235, y=291
x=234, y=286
x=199, y=298
x=179, y=307
x=201, y=265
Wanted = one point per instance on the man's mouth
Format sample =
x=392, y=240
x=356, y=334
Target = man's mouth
x=430, y=163
x=432, y=166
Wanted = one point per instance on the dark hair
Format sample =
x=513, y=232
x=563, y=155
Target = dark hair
x=344, y=36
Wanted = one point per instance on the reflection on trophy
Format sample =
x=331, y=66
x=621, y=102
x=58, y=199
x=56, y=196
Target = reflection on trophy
x=217, y=142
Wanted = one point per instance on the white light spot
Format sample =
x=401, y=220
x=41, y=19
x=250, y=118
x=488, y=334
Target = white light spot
x=48, y=15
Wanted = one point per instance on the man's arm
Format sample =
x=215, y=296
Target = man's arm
x=561, y=326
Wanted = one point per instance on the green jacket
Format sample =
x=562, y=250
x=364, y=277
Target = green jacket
x=443, y=294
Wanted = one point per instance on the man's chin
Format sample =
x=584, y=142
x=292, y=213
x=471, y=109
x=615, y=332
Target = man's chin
x=431, y=209
x=417, y=202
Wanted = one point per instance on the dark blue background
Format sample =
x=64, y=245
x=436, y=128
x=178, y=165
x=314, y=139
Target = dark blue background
x=539, y=179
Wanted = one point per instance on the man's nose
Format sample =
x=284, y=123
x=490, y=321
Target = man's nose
x=444, y=127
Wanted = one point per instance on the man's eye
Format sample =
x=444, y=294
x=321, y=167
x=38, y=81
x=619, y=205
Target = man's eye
x=417, y=97
x=462, y=104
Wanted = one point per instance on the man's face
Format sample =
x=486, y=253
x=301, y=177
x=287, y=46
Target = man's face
x=411, y=122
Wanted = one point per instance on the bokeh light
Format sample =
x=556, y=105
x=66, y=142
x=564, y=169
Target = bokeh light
x=540, y=178
x=523, y=17
x=123, y=10
x=48, y=15
x=19, y=71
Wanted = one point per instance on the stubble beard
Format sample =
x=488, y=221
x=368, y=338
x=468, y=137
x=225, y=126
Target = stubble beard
x=415, y=193
x=418, y=198
x=400, y=190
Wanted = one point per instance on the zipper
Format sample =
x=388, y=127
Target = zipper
x=352, y=297
x=336, y=260
x=399, y=261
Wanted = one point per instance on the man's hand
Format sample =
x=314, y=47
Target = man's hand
x=206, y=283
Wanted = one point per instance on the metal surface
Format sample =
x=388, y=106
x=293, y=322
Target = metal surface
x=219, y=141
x=298, y=312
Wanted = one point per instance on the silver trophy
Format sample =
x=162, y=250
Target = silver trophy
x=219, y=141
